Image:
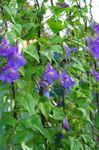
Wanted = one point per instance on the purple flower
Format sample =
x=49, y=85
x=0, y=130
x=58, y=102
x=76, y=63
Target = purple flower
x=66, y=81
x=16, y=60
x=5, y=48
x=95, y=27
x=95, y=74
x=73, y=49
x=5, y=40
x=50, y=74
x=9, y=74
x=43, y=84
x=94, y=47
x=68, y=50
x=62, y=5
x=65, y=124
x=89, y=42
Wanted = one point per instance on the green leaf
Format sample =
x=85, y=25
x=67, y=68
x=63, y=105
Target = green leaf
x=32, y=51
x=83, y=111
x=47, y=54
x=56, y=39
x=28, y=26
x=56, y=10
x=11, y=11
x=17, y=28
x=24, y=147
x=36, y=123
x=48, y=135
x=45, y=108
x=57, y=48
x=75, y=144
x=56, y=26
x=11, y=37
x=78, y=66
x=58, y=114
x=28, y=101
x=7, y=119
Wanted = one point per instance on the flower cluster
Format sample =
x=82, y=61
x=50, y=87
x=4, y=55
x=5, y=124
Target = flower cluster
x=94, y=47
x=50, y=75
x=14, y=59
x=94, y=44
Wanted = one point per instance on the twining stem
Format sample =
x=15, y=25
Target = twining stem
x=38, y=45
x=37, y=3
x=9, y=129
x=91, y=16
x=14, y=99
x=97, y=94
x=52, y=2
x=83, y=144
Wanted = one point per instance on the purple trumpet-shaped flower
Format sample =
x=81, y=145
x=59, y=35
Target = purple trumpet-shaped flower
x=62, y=5
x=9, y=74
x=5, y=48
x=95, y=27
x=66, y=81
x=50, y=74
x=16, y=60
x=95, y=74
x=68, y=50
x=65, y=124
x=94, y=47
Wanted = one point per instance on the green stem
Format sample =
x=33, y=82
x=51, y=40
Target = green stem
x=62, y=95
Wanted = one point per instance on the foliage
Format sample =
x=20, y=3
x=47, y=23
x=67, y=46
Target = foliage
x=57, y=107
